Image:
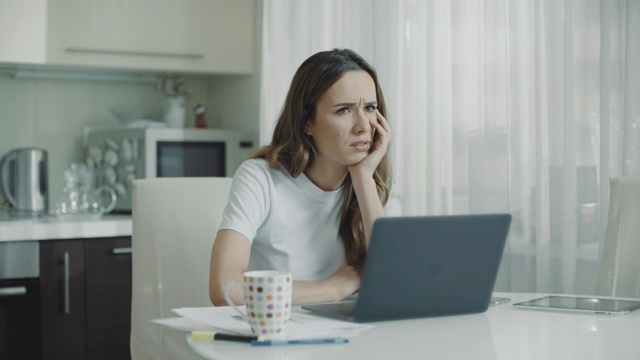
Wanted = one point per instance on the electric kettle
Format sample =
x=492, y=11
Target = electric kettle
x=23, y=181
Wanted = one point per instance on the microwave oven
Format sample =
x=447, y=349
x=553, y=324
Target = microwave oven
x=118, y=156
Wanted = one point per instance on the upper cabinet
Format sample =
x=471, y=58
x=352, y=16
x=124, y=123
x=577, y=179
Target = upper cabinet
x=179, y=36
x=23, y=31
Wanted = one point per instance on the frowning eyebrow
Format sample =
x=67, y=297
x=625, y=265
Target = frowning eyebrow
x=352, y=104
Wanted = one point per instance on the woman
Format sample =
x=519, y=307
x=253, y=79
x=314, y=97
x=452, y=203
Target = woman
x=306, y=203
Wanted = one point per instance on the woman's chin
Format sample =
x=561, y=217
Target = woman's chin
x=355, y=160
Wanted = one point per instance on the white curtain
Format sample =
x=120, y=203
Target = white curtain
x=520, y=106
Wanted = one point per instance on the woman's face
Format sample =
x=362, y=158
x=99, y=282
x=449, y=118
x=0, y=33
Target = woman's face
x=341, y=130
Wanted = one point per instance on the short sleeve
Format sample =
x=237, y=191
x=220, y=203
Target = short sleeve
x=248, y=203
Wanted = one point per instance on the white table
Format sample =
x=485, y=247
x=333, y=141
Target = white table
x=503, y=332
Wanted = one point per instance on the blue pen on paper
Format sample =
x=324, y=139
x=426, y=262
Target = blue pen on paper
x=299, y=342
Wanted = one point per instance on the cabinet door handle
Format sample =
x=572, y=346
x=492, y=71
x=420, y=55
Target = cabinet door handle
x=84, y=50
x=67, y=306
x=13, y=291
x=121, y=250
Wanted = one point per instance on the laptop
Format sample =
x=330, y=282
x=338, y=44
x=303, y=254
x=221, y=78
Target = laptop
x=426, y=266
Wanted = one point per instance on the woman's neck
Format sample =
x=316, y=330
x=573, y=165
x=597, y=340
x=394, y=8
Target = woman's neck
x=327, y=178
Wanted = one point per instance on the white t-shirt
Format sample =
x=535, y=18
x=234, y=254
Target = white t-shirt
x=291, y=223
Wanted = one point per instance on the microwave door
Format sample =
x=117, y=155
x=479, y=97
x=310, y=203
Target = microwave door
x=190, y=159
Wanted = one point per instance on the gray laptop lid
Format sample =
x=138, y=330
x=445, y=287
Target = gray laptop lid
x=430, y=266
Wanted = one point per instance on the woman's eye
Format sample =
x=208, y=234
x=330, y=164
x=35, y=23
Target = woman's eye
x=344, y=110
x=370, y=108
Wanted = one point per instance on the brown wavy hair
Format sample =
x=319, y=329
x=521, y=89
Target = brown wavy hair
x=292, y=149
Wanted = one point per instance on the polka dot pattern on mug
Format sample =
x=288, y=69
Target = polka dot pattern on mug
x=268, y=299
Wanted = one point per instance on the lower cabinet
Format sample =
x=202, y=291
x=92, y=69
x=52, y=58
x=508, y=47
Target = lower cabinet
x=62, y=304
x=107, y=270
x=85, y=288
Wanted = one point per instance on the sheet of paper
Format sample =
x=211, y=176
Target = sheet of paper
x=183, y=323
x=300, y=326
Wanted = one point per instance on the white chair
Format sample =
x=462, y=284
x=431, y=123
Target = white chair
x=175, y=221
x=620, y=261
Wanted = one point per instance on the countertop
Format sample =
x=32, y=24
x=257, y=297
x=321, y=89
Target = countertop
x=51, y=228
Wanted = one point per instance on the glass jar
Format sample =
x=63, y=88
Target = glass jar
x=79, y=200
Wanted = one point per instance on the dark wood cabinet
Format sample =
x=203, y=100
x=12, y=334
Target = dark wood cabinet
x=85, y=287
x=62, y=311
x=108, y=297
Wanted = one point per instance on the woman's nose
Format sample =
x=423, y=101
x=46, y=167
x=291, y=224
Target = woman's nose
x=362, y=122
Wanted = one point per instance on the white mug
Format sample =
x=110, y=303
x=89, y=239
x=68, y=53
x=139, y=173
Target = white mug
x=267, y=296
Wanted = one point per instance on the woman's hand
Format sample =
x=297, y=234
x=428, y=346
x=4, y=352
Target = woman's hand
x=368, y=165
x=344, y=282
x=362, y=179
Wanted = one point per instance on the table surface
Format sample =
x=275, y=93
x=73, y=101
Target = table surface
x=502, y=332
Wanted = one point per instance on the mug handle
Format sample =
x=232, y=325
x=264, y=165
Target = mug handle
x=227, y=298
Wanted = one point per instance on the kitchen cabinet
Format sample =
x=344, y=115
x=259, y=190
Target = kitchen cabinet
x=108, y=297
x=23, y=31
x=186, y=36
x=62, y=299
x=85, y=287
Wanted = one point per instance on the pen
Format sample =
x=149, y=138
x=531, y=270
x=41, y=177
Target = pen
x=198, y=335
x=299, y=342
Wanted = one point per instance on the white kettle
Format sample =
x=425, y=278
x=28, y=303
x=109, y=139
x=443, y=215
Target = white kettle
x=23, y=181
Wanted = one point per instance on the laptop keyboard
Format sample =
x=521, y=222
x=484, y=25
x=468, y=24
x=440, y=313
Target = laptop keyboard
x=345, y=308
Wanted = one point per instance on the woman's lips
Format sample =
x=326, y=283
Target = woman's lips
x=360, y=145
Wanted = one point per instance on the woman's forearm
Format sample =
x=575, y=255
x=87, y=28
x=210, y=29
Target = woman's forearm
x=308, y=292
x=344, y=282
x=370, y=205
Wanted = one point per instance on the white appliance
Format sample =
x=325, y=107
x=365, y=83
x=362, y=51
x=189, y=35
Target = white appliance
x=120, y=155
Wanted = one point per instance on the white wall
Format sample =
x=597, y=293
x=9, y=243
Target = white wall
x=234, y=103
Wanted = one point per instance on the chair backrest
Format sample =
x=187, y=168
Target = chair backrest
x=620, y=262
x=175, y=221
